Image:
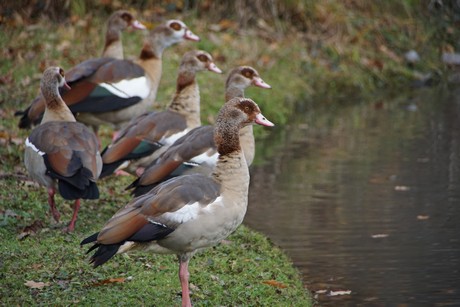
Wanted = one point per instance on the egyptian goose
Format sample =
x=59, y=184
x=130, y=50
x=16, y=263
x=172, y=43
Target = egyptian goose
x=152, y=131
x=113, y=48
x=61, y=152
x=117, y=23
x=196, y=151
x=190, y=212
x=113, y=91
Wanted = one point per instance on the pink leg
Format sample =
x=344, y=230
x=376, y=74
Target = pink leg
x=115, y=135
x=53, y=209
x=183, y=276
x=76, y=207
x=140, y=171
x=121, y=172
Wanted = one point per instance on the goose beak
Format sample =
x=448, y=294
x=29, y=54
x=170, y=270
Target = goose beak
x=213, y=67
x=261, y=83
x=261, y=120
x=66, y=86
x=191, y=36
x=138, y=25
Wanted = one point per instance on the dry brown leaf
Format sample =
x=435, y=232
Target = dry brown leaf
x=110, y=281
x=274, y=283
x=423, y=217
x=36, y=284
x=30, y=230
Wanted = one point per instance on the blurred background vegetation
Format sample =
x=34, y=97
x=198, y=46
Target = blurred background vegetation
x=308, y=50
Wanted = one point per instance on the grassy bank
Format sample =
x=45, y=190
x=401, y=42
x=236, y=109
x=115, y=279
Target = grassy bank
x=43, y=266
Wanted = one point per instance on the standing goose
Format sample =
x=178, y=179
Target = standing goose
x=196, y=151
x=151, y=131
x=113, y=48
x=191, y=212
x=117, y=23
x=113, y=91
x=62, y=152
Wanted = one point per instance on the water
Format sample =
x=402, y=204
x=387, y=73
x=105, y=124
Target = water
x=367, y=199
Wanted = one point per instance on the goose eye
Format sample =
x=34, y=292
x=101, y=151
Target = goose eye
x=61, y=72
x=126, y=17
x=247, y=73
x=175, y=26
x=202, y=58
x=246, y=109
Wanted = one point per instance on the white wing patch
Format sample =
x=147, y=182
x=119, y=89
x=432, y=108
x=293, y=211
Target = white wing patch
x=28, y=143
x=205, y=158
x=191, y=212
x=129, y=88
x=172, y=138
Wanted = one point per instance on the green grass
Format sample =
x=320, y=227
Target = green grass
x=232, y=273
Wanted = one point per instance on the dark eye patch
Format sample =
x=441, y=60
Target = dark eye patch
x=61, y=72
x=248, y=73
x=203, y=58
x=127, y=17
x=175, y=26
x=247, y=106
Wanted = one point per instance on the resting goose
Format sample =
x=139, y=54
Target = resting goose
x=113, y=91
x=151, y=131
x=196, y=151
x=61, y=152
x=191, y=212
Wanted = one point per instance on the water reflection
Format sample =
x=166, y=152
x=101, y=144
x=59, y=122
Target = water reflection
x=366, y=198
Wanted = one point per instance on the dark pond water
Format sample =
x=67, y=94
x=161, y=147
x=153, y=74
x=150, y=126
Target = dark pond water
x=367, y=199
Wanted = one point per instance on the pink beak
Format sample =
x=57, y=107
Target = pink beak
x=138, y=25
x=213, y=67
x=66, y=86
x=191, y=36
x=261, y=120
x=261, y=83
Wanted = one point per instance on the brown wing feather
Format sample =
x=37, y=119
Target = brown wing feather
x=156, y=172
x=194, y=143
x=61, y=140
x=165, y=198
x=149, y=127
x=117, y=70
x=79, y=91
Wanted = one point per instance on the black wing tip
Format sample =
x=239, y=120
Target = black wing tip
x=133, y=184
x=109, y=169
x=103, y=252
x=70, y=192
x=90, y=239
x=142, y=189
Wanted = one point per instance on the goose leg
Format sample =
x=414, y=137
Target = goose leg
x=76, y=207
x=183, y=276
x=52, y=204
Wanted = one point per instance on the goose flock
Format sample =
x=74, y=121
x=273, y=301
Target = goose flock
x=191, y=190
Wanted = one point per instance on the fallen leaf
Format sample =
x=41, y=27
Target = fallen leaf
x=423, y=217
x=36, y=284
x=30, y=230
x=274, y=283
x=110, y=281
